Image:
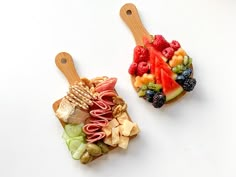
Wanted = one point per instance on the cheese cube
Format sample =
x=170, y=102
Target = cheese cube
x=107, y=130
x=113, y=123
x=135, y=130
x=108, y=141
x=115, y=137
x=122, y=117
x=126, y=128
x=124, y=141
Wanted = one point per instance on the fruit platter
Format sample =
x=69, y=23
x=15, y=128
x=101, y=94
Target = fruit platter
x=161, y=71
x=93, y=115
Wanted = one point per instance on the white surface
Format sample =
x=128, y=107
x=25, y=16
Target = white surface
x=194, y=137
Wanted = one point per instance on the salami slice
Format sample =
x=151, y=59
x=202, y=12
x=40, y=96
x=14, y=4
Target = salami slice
x=102, y=114
x=106, y=96
x=101, y=104
x=101, y=122
x=108, y=84
x=91, y=128
x=95, y=137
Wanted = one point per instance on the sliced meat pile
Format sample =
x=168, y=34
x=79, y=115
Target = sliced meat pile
x=101, y=111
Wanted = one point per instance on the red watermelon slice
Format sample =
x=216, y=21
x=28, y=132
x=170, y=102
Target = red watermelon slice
x=161, y=64
x=169, y=86
x=158, y=62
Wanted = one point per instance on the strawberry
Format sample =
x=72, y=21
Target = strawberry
x=168, y=52
x=140, y=54
x=143, y=68
x=160, y=43
x=133, y=68
x=175, y=45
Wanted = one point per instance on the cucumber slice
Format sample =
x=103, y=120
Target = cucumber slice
x=74, y=145
x=79, y=138
x=65, y=136
x=79, y=152
x=73, y=130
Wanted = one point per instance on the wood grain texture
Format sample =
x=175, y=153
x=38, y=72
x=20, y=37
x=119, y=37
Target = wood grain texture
x=130, y=16
x=65, y=63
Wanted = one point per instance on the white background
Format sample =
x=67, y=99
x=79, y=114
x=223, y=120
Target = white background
x=195, y=137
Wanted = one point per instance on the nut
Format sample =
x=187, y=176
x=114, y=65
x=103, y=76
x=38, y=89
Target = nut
x=117, y=110
x=118, y=100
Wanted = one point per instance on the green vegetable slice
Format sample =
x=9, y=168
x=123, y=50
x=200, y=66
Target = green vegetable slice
x=73, y=130
x=65, y=136
x=79, y=151
x=74, y=145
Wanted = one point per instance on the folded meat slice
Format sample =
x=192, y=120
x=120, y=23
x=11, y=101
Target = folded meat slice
x=106, y=96
x=95, y=137
x=108, y=84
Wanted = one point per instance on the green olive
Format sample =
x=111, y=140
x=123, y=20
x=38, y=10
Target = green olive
x=94, y=149
x=85, y=158
x=103, y=146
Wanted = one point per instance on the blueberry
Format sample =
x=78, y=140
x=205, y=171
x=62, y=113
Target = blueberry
x=187, y=73
x=150, y=93
x=180, y=79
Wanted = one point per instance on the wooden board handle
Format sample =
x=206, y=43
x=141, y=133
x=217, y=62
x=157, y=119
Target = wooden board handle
x=65, y=63
x=130, y=16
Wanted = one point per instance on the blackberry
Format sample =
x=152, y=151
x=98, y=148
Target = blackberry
x=189, y=84
x=159, y=100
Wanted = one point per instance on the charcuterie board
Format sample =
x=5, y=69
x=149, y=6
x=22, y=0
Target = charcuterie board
x=94, y=117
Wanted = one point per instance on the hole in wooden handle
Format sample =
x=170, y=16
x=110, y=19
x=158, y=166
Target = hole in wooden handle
x=63, y=61
x=129, y=12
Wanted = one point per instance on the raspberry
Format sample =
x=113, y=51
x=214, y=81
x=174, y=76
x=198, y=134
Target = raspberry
x=160, y=43
x=168, y=52
x=133, y=68
x=140, y=54
x=142, y=68
x=175, y=45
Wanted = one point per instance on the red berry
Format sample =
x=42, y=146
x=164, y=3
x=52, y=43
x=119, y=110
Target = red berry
x=168, y=52
x=160, y=43
x=175, y=45
x=143, y=68
x=133, y=68
x=140, y=54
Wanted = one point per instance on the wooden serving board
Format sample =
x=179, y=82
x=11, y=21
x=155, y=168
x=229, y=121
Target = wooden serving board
x=65, y=63
x=130, y=16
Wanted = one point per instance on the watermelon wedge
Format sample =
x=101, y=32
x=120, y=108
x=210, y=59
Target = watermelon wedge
x=161, y=64
x=158, y=62
x=169, y=86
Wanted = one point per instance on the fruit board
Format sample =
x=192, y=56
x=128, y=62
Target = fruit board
x=94, y=117
x=161, y=71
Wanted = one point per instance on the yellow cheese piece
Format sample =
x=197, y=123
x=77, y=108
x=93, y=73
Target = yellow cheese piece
x=126, y=128
x=135, y=130
x=107, y=130
x=113, y=123
x=107, y=140
x=115, y=136
x=122, y=117
x=123, y=142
